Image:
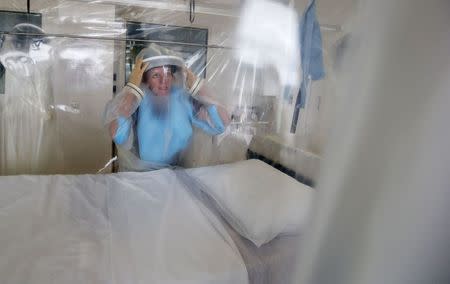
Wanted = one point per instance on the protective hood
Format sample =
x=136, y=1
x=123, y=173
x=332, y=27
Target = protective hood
x=157, y=55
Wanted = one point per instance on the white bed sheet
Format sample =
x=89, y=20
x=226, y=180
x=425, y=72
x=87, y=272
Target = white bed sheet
x=124, y=228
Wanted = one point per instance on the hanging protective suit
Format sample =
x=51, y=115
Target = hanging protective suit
x=152, y=130
x=27, y=130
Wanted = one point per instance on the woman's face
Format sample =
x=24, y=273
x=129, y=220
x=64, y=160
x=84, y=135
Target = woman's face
x=159, y=80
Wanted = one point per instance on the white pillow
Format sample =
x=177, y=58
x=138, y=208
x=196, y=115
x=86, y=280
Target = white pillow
x=259, y=201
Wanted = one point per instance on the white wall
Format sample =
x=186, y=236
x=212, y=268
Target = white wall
x=14, y=5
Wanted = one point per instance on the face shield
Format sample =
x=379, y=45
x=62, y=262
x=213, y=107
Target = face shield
x=164, y=66
x=160, y=79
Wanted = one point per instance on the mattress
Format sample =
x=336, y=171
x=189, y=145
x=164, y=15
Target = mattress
x=125, y=228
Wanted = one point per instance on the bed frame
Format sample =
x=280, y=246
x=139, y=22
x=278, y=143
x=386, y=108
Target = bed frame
x=298, y=176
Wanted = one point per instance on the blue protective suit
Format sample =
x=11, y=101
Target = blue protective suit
x=162, y=137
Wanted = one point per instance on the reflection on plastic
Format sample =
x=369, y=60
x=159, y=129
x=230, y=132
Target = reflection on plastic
x=73, y=108
x=276, y=42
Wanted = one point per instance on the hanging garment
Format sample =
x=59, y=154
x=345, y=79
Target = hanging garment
x=311, y=57
x=27, y=129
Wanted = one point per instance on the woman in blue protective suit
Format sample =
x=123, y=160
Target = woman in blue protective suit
x=151, y=119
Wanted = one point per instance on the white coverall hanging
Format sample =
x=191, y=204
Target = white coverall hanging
x=27, y=129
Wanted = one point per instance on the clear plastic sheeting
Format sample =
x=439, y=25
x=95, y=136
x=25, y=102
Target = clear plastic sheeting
x=382, y=212
x=175, y=96
x=147, y=93
x=124, y=125
x=237, y=76
x=119, y=229
x=152, y=89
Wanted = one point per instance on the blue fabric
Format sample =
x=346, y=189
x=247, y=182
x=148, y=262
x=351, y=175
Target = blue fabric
x=215, y=119
x=311, y=44
x=123, y=130
x=162, y=137
x=311, y=56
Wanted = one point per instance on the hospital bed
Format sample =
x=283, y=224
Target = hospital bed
x=166, y=226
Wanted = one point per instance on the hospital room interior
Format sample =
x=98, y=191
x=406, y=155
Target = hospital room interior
x=224, y=141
